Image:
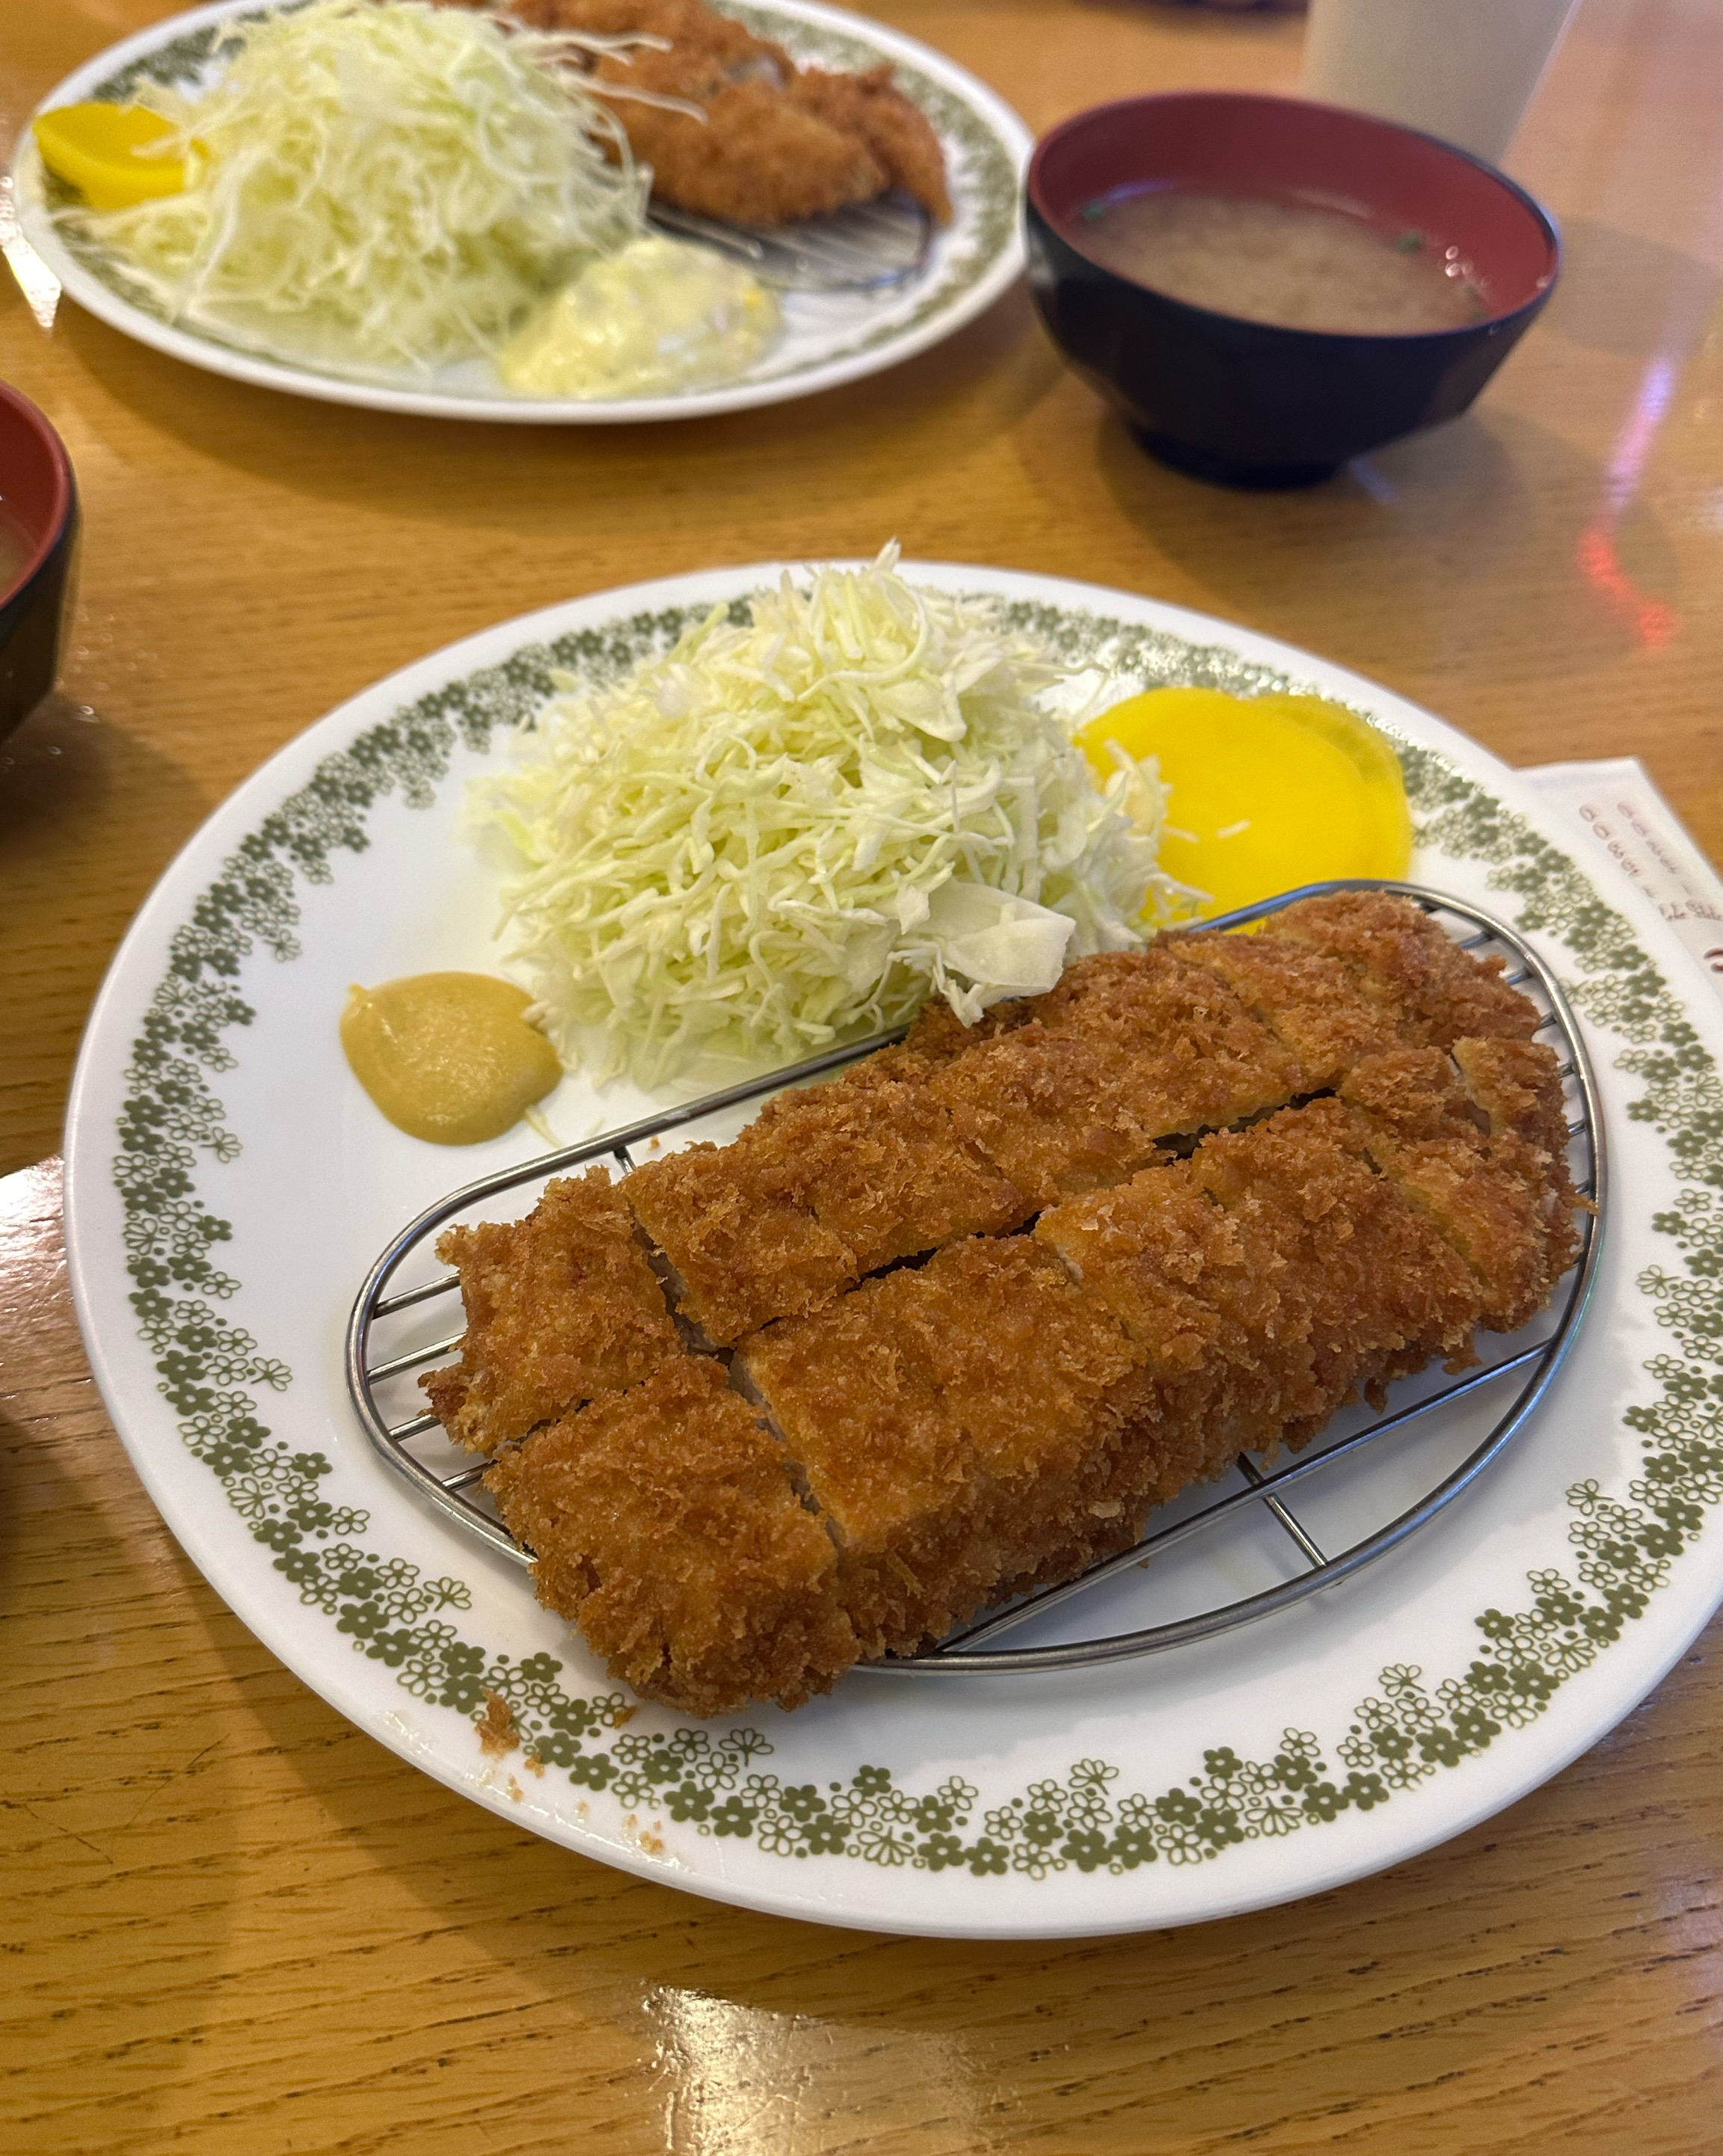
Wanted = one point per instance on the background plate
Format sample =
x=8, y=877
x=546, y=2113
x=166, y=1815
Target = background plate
x=828, y=338
x=227, y=1184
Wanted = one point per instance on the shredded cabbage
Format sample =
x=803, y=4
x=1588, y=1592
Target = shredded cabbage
x=379, y=186
x=797, y=829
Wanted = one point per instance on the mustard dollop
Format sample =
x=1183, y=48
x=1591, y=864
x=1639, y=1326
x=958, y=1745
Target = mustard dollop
x=448, y=1057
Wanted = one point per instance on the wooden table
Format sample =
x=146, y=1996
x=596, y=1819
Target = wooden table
x=240, y=1925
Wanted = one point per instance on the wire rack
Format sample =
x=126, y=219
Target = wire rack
x=868, y=247
x=396, y=1331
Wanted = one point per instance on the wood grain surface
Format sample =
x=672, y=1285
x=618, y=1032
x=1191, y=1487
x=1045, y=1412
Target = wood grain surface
x=234, y=1922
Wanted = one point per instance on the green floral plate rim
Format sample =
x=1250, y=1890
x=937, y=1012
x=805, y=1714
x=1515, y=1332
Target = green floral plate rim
x=827, y=340
x=1164, y=1817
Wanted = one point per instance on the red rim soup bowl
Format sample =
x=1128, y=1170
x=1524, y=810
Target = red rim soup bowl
x=39, y=498
x=1249, y=403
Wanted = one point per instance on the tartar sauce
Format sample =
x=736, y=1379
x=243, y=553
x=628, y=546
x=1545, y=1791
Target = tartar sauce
x=662, y=315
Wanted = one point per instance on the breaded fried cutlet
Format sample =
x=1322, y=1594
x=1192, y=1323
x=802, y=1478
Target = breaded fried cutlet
x=561, y=1306
x=1514, y=1086
x=1257, y=1180
x=891, y=1174
x=1053, y=1095
x=899, y=134
x=1044, y=1389
x=1201, y=1290
x=1075, y=1090
x=1371, y=1288
x=1307, y=1000
x=961, y=1426
x=1054, y=1114
x=1200, y=1058
x=757, y=157
x=1399, y=956
x=664, y=1524
x=885, y=1465
x=772, y=143
x=690, y=27
x=826, y=1185
x=1504, y=1204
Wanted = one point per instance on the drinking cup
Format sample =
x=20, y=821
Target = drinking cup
x=1463, y=69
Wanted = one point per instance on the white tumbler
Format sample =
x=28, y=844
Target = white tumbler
x=1463, y=69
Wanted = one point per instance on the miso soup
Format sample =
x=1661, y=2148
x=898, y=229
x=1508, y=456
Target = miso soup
x=1284, y=263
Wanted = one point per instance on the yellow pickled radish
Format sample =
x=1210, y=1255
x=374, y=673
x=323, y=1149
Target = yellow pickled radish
x=97, y=148
x=1266, y=792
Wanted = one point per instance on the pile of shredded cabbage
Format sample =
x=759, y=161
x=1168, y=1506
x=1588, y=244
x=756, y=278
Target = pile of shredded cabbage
x=379, y=186
x=797, y=830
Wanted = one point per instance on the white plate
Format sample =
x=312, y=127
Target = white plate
x=828, y=337
x=216, y=1244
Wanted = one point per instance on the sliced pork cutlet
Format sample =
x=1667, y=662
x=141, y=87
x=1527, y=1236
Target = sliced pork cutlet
x=1401, y=958
x=1201, y=1058
x=757, y=157
x=735, y=1238
x=1200, y=1291
x=1504, y=1204
x=959, y=1427
x=1053, y=1113
x=1516, y=1086
x=1073, y=1090
x=938, y=1036
x=887, y=1467
x=664, y=1523
x=888, y=1170
x=1046, y=1389
x=898, y=132
x=561, y=1306
x=778, y=142
x=827, y=1184
x=1307, y=1001
x=1377, y=1290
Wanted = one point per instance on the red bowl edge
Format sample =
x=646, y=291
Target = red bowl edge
x=61, y=489
x=1245, y=102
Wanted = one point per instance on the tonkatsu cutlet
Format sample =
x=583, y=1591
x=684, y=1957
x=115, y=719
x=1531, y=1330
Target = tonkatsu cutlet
x=1063, y=1093
x=995, y=1293
x=1399, y=956
x=1501, y=1198
x=665, y=1525
x=769, y=143
x=961, y=1426
x=561, y=1306
x=824, y=1186
x=1306, y=1000
x=1318, y=1282
x=1007, y=1414
x=1077, y=1088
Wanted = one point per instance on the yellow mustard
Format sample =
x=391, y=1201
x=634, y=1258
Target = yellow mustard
x=448, y=1057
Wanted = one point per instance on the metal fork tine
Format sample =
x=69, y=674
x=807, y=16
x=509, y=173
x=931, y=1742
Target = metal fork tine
x=867, y=246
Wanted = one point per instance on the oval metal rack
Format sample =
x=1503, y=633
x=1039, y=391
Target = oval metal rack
x=454, y=1484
